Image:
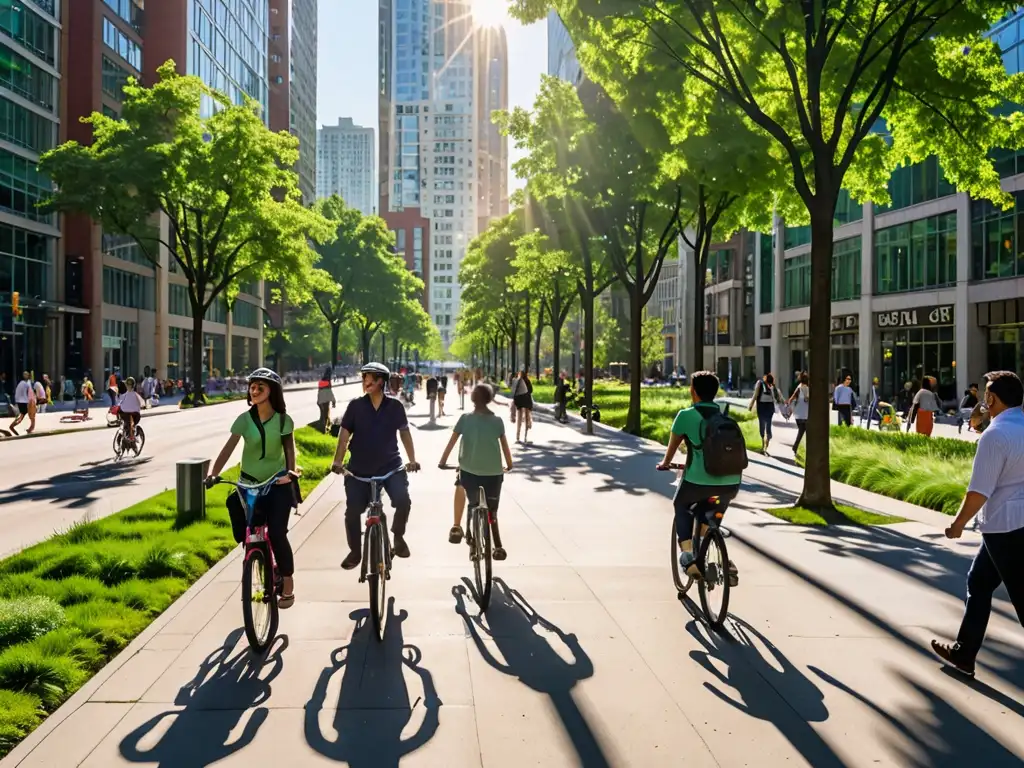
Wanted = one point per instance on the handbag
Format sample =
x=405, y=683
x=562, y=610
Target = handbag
x=512, y=412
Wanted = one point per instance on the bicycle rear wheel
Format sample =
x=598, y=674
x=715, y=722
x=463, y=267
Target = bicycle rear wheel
x=259, y=603
x=481, y=554
x=118, y=447
x=714, y=588
x=377, y=577
x=140, y=440
x=683, y=581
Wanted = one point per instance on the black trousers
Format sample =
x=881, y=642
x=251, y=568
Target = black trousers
x=1000, y=560
x=275, y=508
x=325, y=414
x=845, y=415
x=357, y=498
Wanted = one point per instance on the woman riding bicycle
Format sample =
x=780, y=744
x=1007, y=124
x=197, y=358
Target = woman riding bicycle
x=130, y=408
x=483, y=443
x=268, y=449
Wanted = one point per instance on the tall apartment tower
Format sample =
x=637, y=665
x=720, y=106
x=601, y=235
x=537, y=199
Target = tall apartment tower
x=345, y=165
x=31, y=252
x=435, y=87
x=303, y=47
x=492, y=146
x=136, y=315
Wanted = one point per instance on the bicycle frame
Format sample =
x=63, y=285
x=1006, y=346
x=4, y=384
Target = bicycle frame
x=260, y=534
x=375, y=515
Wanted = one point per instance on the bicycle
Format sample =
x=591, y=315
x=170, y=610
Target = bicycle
x=711, y=560
x=123, y=443
x=375, y=568
x=479, y=520
x=260, y=585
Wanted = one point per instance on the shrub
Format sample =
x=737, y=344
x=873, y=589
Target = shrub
x=152, y=597
x=27, y=618
x=25, y=669
x=20, y=713
x=110, y=624
x=71, y=643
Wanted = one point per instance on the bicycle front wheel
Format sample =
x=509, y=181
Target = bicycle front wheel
x=259, y=603
x=482, y=557
x=140, y=440
x=714, y=587
x=377, y=577
x=118, y=447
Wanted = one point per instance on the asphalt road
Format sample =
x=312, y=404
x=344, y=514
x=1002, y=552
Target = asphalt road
x=49, y=483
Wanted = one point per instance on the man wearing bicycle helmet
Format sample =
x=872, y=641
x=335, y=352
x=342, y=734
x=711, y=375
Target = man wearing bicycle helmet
x=268, y=448
x=370, y=429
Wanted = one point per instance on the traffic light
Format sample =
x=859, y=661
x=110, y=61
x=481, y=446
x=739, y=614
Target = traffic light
x=15, y=308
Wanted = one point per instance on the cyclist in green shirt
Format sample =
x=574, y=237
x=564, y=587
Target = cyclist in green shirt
x=268, y=448
x=483, y=443
x=698, y=491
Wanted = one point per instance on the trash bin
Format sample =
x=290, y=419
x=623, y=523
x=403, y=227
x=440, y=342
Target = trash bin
x=191, y=493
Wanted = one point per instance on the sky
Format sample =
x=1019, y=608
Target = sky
x=347, y=65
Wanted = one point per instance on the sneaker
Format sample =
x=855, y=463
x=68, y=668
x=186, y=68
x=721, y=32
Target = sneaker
x=950, y=654
x=455, y=535
x=401, y=548
x=500, y=553
x=734, y=575
x=352, y=559
x=688, y=563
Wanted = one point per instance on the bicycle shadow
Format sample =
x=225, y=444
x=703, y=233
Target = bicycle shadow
x=511, y=625
x=748, y=671
x=375, y=705
x=216, y=701
x=77, y=488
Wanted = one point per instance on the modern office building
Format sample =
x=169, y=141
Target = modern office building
x=31, y=250
x=562, y=61
x=303, y=72
x=440, y=75
x=346, y=165
x=139, y=314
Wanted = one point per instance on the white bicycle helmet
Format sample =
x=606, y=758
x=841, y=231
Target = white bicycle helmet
x=265, y=374
x=377, y=369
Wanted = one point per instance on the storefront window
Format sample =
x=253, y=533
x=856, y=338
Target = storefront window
x=910, y=354
x=796, y=274
x=996, y=247
x=915, y=256
x=1006, y=349
x=846, y=269
x=845, y=357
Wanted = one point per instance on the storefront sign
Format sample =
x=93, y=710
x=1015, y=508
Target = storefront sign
x=910, y=318
x=111, y=342
x=842, y=323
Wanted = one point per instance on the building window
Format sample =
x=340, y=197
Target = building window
x=847, y=209
x=25, y=262
x=796, y=236
x=767, y=303
x=846, y=269
x=247, y=315
x=915, y=184
x=25, y=78
x=25, y=128
x=24, y=26
x=115, y=78
x=915, y=256
x=128, y=289
x=177, y=300
x=121, y=44
x=720, y=266
x=400, y=241
x=796, y=275
x=22, y=187
x=996, y=247
x=217, y=312
x=129, y=10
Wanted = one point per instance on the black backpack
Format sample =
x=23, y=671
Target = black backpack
x=723, y=445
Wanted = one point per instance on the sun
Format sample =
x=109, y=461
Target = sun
x=489, y=13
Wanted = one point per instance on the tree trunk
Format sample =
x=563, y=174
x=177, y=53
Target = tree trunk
x=335, y=333
x=527, y=335
x=587, y=297
x=537, y=333
x=365, y=333
x=556, y=332
x=197, y=355
x=396, y=361
x=817, y=491
x=700, y=258
x=636, y=311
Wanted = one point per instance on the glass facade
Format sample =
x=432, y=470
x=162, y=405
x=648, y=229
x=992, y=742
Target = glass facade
x=767, y=274
x=115, y=77
x=996, y=247
x=121, y=348
x=128, y=289
x=25, y=128
x=22, y=187
x=23, y=25
x=909, y=354
x=915, y=184
x=846, y=269
x=121, y=44
x=247, y=315
x=128, y=10
x=177, y=300
x=796, y=276
x=228, y=48
x=847, y=209
x=916, y=256
x=26, y=79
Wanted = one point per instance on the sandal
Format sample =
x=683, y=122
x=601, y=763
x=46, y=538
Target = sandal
x=286, y=601
x=455, y=535
x=500, y=553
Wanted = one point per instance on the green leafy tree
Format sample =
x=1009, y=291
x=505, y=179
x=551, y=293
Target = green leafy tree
x=653, y=343
x=224, y=185
x=846, y=91
x=353, y=266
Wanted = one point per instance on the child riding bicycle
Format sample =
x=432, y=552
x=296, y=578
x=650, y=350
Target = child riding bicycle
x=715, y=450
x=130, y=407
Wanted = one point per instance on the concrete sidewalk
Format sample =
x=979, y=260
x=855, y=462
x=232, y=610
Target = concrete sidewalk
x=586, y=657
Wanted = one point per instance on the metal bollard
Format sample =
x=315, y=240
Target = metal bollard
x=191, y=494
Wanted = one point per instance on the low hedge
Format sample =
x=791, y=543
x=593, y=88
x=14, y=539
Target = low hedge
x=72, y=602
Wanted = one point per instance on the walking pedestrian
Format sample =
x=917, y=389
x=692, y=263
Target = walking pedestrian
x=23, y=395
x=325, y=399
x=842, y=401
x=924, y=407
x=799, y=401
x=996, y=496
x=873, y=399
x=432, y=396
x=765, y=399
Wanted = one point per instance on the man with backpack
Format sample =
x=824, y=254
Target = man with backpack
x=716, y=455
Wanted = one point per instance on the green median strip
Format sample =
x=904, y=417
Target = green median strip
x=844, y=515
x=69, y=604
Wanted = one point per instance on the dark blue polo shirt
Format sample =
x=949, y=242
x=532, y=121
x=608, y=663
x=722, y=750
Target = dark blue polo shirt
x=374, y=445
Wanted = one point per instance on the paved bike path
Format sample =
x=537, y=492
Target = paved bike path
x=585, y=658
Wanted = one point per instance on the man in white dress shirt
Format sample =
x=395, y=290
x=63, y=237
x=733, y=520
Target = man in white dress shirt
x=996, y=496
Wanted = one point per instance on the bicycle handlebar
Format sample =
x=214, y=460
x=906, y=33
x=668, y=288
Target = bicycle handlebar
x=379, y=479
x=667, y=467
x=218, y=480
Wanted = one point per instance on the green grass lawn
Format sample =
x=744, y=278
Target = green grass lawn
x=69, y=604
x=845, y=515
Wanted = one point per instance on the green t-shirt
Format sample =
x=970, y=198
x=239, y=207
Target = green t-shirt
x=254, y=462
x=689, y=425
x=480, y=451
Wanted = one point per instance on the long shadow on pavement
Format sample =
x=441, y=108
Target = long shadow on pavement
x=512, y=624
x=806, y=702
x=77, y=488
x=374, y=706
x=213, y=706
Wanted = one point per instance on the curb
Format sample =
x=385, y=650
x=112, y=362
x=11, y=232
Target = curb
x=308, y=522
